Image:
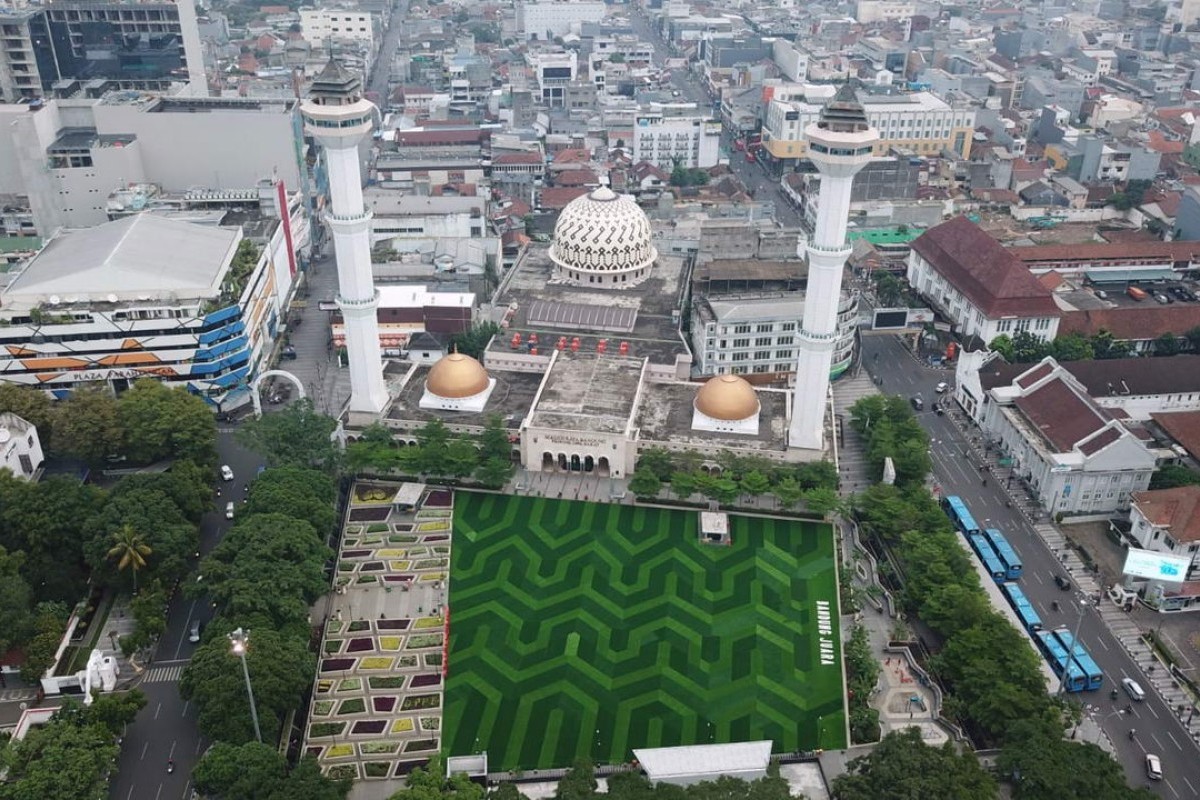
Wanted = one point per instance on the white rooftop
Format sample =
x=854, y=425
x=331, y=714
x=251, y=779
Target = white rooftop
x=141, y=257
x=703, y=761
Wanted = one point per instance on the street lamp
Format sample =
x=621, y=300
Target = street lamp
x=239, y=640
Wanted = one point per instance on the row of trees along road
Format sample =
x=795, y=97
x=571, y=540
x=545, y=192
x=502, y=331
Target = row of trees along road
x=814, y=484
x=988, y=669
x=262, y=577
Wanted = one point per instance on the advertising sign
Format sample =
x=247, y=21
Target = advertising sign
x=1156, y=566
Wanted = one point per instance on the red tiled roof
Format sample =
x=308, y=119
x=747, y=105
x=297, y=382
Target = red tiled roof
x=1177, y=510
x=1051, y=280
x=572, y=156
x=442, y=137
x=1160, y=143
x=517, y=158
x=991, y=277
x=1092, y=251
x=576, y=177
x=557, y=197
x=1034, y=375
x=1183, y=427
x=1060, y=415
x=1136, y=323
x=1097, y=443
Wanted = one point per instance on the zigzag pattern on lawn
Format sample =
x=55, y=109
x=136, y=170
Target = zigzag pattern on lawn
x=582, y=629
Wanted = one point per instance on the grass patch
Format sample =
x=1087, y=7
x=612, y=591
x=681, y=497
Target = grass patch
x=428, y=622
x=355, y=705
x=625, y=623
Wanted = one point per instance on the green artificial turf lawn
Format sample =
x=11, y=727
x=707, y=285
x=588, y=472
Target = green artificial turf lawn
x=588, y=629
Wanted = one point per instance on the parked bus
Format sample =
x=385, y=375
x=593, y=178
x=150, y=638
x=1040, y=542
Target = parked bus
x=1008, y=556
x=1095, y=678
x=1064, y=666
x=1020, y=603
x=987, y=556
x=959, y=515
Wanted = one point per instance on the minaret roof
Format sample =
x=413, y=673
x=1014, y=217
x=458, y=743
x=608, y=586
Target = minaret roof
x=844, y=113
x=335, y=84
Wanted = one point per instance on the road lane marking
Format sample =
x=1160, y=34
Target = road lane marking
x=185, y=707
x=146, y=745
x=186, y=627
x=1178, y=746
x=1152, y=711
x=1189, y=783
x=159, y=792
x=1172, y=788
x=1157, y=742
x=157, y=709
x=187, y=790
x=171, y=754
x=1100, y=641
x=1038, y=578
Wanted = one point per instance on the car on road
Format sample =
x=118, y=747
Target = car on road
x=1062, y=583
x=226, y=473
x=1133, y=689
x=1153, y=767
x=918, y=403
x=942, y=387
x=229, y=510
x=289, y=353
x=194, y=632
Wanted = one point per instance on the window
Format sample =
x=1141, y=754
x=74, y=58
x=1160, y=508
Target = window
x=760, y=355
x=741, y=328
x=788, y=326
x=764, y=327
x=763, y=341
x=783, y=353
x=785, y=340
x=741, y=342
x=740, y=357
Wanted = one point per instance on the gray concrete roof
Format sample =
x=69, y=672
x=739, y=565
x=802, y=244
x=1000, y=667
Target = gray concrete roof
x=137, y=258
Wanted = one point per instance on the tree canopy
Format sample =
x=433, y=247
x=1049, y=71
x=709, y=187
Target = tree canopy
x=159, y=422
x=254, y=771
x=306, y=494
x=1041, y=765
x=902, y=766
x=295, y=436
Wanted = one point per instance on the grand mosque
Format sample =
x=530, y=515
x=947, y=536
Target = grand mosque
x=591, y=366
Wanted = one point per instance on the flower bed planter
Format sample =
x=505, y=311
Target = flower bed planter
x=433, y=659
x=438, y=498
x=375, y=663
x=369, y=514
x=387, y=682
x=419, y=701
x=377, y=769
x=371, y=566
x=432, y=527
x=339, y=751
x=444, y=549
x=425, y=680
x=350, y=685
x=378, y=528
x=424, y=640
x=403, y=527
x=401, y=539
x=378, y=748
x=383, y=705
x=337, y=664
x=433, y=576
x=397, y=578
x=355, y=553
x=434, y=538
x=392, y=624
x=361, y=579
x=369, y=726
x=391, y=552
x=320, y=729
x=399, y=566
x=417, y=745
x=413, y=552
x=424, y=623
x=402, y=725
x=408, y=662
x=430, y=563
x=324, y=685
x=343, y=772
x=322, y=708
x=431, y=723
x=314, y=750
x=372, y=493
x=405, y=767
x=360, y=645
x=355, y=705
x=390, y=642
x=359, y=625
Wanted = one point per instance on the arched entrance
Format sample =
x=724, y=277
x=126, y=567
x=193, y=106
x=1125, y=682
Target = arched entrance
x=273, y=373
x=602, y=467
x=547, y=462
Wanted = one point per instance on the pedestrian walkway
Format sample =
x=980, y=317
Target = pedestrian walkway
x=852, y=463
x=17, y=695
x=169, y=674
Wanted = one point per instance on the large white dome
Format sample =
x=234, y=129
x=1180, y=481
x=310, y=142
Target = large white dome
x=603, y=238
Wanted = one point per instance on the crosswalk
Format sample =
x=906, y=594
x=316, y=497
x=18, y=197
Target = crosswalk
x=17, y=695
x=169, y=674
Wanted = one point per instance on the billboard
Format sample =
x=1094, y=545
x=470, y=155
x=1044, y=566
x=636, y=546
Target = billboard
x=900, y=318
x=1156, y=566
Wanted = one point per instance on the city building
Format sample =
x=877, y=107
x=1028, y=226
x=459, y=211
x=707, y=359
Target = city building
x=919, y=123
x=666, y=134
x=319, y=25
x=407, y=311
x=841, y=143
x=1067, y=450
x=979, y=286
x=547, y=19
x=20, y=447
x=554, y=71
x=868, y=11
x=63, y=46
x=339, y=118
x=143, y=296
x=1168, y=521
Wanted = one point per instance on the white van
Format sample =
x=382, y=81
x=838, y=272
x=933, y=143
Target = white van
x=1133, y=689
x=229, y=510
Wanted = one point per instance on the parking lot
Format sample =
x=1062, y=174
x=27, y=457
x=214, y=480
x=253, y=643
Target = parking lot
x=1122, y=295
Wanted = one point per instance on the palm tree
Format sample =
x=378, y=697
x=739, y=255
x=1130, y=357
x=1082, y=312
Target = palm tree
x=131, y=551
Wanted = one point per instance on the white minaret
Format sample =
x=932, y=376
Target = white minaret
x=338, y=117
x=839, y=144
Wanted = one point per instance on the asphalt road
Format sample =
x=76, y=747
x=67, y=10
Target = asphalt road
x=1158, y=730
x=166, y=727
x=387, y=50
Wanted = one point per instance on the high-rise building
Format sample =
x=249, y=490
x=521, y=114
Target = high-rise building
x=59, y=47
x=339, y=118
x=840, y=143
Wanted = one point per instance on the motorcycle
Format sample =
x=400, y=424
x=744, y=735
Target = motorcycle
x=170, y=765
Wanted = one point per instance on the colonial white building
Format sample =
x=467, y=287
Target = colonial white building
x=1074, y=456
x=669, y=133
x=978, y=285
x=546, y=19
x=20, y=447
x=1168, y=521
x=319, y=25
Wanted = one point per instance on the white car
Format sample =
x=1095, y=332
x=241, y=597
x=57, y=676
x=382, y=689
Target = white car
x=1153, y=767
x=229, y=510
x=942, y=388
x=226, y=473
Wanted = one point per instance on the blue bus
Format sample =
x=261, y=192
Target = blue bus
x=988, y=556
x=1020, y=603
x=1095, y=678
x=1008, y=557
x=959, y=515
x=1064, y=667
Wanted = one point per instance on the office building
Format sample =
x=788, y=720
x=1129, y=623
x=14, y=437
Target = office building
x=666, y=134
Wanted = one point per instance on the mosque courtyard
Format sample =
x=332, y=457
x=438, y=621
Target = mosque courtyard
x=586, y=630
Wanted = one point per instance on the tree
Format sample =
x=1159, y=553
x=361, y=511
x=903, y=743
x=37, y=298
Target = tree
x=430, y=783
x=754, y=483
x=1042, y=765
x=239, y=771
x=683, y=485
x=149, y=617
x=509, y=791
x=306, y=781
x=306, y=494
x=644, y=484
x=1171, y=476
x=461, y=458
x=1028, y=348
x=1168, y=345
x=888, y=289
x=658, y=461
x=821, y=501
x=493, y=442
x=269, y=564
x=788, y=492
x=493, y=473
x=295, y=436
x=1072, y=347
x=113, y=710
x=31, y=405
x=1192, y=336
x=160, y=422
x=579, y=783
x=16, y=600
x=474, y=342
x=49, y=624
x=1003, y=345
x=171, y=538
x=902, y=766
x=130, y=551
x=723, y=490
x=1105, y=345
x=60, y=760
x=87, y=425
x=280, y=667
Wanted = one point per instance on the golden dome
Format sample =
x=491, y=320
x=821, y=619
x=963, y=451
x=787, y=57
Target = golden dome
x=727, y=397
x=455, y=376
